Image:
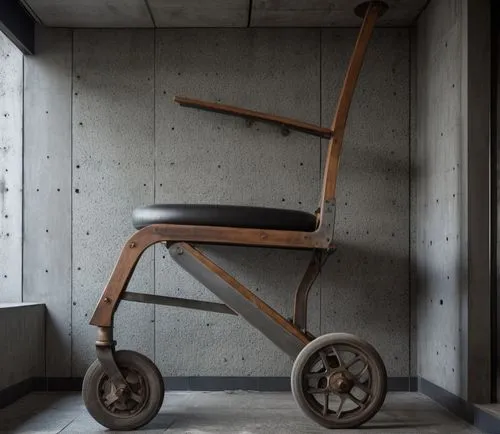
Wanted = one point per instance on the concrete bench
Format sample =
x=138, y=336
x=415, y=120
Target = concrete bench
x=22, y=343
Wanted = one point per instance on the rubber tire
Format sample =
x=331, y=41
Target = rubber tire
x=150, y=372
x=380, y=376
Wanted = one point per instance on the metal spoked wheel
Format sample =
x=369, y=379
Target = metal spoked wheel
x=129, y=410
x=339, y=381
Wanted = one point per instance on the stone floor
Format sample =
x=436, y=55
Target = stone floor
x=228, y=412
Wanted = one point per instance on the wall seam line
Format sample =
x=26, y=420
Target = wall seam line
x=22, y=178
x=71, y=201
x=154, y=185
x=410, y=208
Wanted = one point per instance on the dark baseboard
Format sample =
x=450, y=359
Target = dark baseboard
x=456, y=405
x=208, y=384
x=59, y=384
x=16, y=391
x=260, y=384
x=402, y=384
x=484, y=421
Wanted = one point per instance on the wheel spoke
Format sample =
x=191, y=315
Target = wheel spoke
x=137, y=398
x=363, y=371
x=361, y=404
x=110, y=398
x=325, y=405
x=339, y=410
x=337, y=355
x=324, y=359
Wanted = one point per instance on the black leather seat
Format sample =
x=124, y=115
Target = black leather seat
x=224, y=215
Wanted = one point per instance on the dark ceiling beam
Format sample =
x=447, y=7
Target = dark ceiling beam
x=17, y=25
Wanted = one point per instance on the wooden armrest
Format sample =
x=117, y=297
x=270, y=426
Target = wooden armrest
x=293, y=124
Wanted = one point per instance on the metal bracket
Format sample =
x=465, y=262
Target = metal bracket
x=105, y=349
x=327, y=218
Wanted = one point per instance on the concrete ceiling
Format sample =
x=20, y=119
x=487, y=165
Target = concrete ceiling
x=214, y=13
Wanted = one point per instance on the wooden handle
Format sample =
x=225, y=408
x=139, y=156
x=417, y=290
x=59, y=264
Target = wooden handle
x=259, y=116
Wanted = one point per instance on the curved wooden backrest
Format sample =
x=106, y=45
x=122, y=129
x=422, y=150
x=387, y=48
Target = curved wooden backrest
x=373, y=11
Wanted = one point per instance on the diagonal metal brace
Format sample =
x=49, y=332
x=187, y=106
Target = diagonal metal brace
x=270, y=323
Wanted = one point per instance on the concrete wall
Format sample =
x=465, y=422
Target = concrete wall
x=22, y=336
x=127, y=144
x=441, y=191
x=451, y=179
x=47, y=234
x=11, y=174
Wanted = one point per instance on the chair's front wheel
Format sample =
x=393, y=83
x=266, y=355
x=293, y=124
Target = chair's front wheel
x=339, y=381
x=132, y=409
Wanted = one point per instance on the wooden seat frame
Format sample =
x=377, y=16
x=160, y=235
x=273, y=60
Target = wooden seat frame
x=290, y=335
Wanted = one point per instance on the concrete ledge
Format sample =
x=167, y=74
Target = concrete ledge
x=19, y=305
x=471, y=413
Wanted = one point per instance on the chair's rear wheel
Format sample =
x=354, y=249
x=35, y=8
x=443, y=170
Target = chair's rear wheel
x=339, y=381
x=132, y=409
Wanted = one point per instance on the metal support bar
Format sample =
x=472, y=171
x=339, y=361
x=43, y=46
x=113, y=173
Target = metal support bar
x=17, y=25
x=177, y=302
x=239, y=298
x=300, y=308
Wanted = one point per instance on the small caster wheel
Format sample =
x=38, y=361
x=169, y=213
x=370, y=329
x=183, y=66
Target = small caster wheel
x=339, y=381
x=130, y=410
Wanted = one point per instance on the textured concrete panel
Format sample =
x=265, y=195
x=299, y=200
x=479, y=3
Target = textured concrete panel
x=211, y=158
x=22, y=335
x=113, y=172
x=440, y=198
x=11, y=173
x=328, y=13
x=365, y=285
x=91, y=13
x=193, y=13
x=47, y=196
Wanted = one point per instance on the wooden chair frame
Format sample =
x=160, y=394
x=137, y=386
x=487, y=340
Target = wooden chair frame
x=290, y=335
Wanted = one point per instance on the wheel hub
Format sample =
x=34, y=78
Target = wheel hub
x=339, y=383
x=129, y=399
